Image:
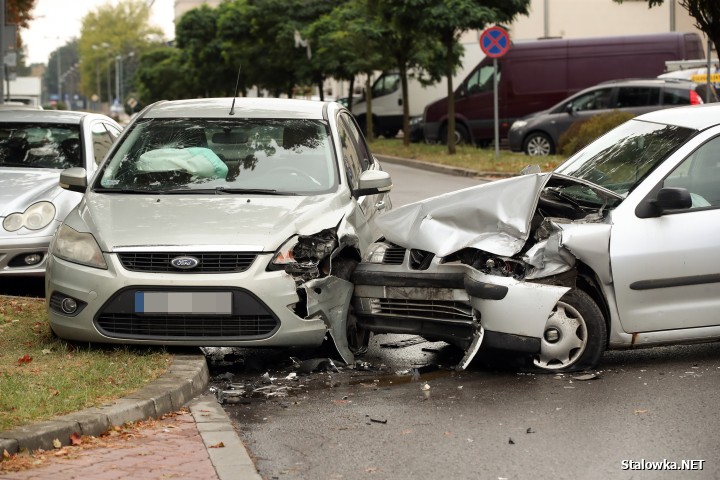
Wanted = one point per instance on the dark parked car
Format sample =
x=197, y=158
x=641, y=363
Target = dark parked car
x=538, y=134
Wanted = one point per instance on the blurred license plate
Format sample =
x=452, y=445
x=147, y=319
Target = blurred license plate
x=184, y=302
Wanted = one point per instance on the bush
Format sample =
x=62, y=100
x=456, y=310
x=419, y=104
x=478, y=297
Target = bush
x=582, y=132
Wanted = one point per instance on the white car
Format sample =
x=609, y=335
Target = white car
x=619, y=247
x=220, y=222
x=35, y=146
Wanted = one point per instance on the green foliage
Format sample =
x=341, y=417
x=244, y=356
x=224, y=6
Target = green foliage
x=582, y=132
x=160, y=76
x=107, y=32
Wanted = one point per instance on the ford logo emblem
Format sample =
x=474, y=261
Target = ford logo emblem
x=184, y=263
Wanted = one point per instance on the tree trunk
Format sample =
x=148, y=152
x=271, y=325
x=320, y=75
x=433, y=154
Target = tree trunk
x=350, y=94
x=369, y=132
x=406, y=106
x=450, y=98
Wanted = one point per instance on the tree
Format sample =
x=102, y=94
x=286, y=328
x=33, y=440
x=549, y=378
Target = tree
x=446, y=20
x=109, y=32
x=160, y=75
x=706, y=14
x=407, y=47
x=345, y=41
x=202, y=53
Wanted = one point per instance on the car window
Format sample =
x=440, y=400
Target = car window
x=40, y=145
x=363, y=151
x=351, y=157
x=283, y=156
x=597, y=99
x=638, y=97
x=386, y=84
x=622, y=158
x=481, y=80
x=700, y=175
x=102, y=141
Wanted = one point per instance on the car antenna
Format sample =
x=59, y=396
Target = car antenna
x=237, y=84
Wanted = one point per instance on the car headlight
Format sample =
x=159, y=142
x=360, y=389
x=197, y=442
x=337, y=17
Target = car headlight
x=415, y=120
x=77, y=247
x=376, y=253
x=518, y=124
x=35, y=217
x=301, y=252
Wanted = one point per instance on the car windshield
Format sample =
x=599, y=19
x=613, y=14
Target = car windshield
x=40, y=145
x=621, y=159
x=263, y=156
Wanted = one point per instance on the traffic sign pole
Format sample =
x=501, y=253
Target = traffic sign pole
x=495, y=42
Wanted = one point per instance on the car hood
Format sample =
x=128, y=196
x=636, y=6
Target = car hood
x=21, y=187
x=243, y=223
x=494, y=217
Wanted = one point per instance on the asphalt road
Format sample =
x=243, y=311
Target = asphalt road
x=487, y=422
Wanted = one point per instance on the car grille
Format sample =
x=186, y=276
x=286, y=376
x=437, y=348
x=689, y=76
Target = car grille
x=159, y=262
x=185, y=326
x=423, y=309
x=394, y=256
x=250, y=319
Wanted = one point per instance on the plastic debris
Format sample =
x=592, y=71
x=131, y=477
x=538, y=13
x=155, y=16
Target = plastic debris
x=511, y=442
x=586, y=376
x=425, y=387
x=375, y=420
x=313, y=364
x=407, y=342
x=530, y=430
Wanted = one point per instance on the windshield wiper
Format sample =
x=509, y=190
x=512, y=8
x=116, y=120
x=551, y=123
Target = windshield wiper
x=136, y=190
x=259, y=191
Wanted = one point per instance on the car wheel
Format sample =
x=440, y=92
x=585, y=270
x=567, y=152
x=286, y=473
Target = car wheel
x=462, y=137
x=574, y=336
x=538, y=144
x=358, y=337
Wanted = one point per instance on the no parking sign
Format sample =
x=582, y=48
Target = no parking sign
x=495, y=42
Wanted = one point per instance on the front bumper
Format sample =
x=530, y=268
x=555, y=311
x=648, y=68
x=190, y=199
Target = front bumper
x=14, y=250
x=450, y=302
x=515, y=139
x=263, y=307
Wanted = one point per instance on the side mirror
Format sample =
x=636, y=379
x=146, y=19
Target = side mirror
x=668, y=198
x=74, y=179
x=372, y=182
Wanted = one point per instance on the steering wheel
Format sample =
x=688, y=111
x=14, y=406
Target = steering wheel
x=295, y=172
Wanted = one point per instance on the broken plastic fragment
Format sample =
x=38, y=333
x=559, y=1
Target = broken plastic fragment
x=586, y=376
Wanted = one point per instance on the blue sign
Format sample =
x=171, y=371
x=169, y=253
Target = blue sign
x=495, y=42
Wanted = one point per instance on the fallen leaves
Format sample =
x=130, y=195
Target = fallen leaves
x=111, y=439
x=24, y=360
x=217, y=445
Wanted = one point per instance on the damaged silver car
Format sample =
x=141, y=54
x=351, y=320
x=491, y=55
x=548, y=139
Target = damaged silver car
x=619, y=247
x=220, y=222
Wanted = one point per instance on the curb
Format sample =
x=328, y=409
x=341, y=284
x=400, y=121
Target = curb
x=186, y=378
x=447, y=170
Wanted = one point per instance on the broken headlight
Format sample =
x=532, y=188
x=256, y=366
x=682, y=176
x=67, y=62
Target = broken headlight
x=304, y=255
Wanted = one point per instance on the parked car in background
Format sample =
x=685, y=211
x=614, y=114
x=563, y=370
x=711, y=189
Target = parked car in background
x=220, y=222
x=35, y=146
x=539, y=133
x=619, y=247
x=536, y=74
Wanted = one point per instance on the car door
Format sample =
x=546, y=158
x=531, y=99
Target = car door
x=357, y=159
x=578, y=108
x=666, y=270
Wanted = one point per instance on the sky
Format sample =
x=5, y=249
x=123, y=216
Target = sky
x=58, y=21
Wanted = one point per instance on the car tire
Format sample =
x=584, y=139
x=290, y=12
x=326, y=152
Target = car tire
x=575, y=335
x=358, y=337
x=538, y=144
x=462, y=137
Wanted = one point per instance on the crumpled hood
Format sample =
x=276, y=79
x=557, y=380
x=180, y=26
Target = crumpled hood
x=494, y=217
x=21, y=187
x=255, y=223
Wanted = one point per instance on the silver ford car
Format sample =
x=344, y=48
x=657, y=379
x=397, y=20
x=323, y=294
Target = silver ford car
x=35, y=146
x=220, y=222
x=619, y=247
